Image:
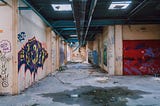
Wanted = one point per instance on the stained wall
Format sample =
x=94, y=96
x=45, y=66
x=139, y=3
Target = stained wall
x=33, y=49
x=6, y=49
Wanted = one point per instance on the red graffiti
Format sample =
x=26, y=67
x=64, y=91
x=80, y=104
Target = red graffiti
x=141, y=57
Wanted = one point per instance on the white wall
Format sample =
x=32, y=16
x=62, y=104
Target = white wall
x=6, y=49
x=32, y=26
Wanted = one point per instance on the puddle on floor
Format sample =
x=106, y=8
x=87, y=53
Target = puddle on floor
x=93, y=96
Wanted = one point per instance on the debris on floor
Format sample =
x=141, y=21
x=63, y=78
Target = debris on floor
x=94, y=96
x=102, y=79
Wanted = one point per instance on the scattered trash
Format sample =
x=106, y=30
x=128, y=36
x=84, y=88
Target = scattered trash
x=156, y=78
x=115, y=82
x=74, y=95
x=102, y=79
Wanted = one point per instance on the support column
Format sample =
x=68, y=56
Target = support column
x=65, y=53
x=49, y=50
x=110, y=51
x=118, y=50
x=57, y=52
x=14, y=46
x=86, y=54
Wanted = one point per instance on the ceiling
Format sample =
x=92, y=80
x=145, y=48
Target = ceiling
x=88, y=17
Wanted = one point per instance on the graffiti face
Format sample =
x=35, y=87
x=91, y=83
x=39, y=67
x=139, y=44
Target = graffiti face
x=32, y=55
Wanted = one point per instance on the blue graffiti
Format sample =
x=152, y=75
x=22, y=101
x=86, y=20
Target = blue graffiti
x=32, y=55
x=21, y=36
x=149, y=52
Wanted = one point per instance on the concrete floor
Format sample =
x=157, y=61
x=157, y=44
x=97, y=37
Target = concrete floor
x=84, y=85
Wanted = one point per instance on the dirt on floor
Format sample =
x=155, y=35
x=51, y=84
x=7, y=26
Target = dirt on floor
x=78, y=84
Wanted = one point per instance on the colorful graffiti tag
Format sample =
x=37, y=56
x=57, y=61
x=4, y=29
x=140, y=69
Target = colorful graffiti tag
x=105, y=55
x=3, y=68
x=32, y=55
x=141, y=57
x=21, y=36
x=5, y=47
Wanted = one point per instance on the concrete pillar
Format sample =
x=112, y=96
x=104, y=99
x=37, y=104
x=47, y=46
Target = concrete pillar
x=57, y=52
x=110, y=51
x=65, y=53
x=118, y=50
x=14, y=46
x=49, y=49
x=86, y=53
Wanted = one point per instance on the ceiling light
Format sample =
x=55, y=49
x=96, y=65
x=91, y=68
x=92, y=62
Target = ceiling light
x=62, y=7
x=73, y=35
x=120, y=5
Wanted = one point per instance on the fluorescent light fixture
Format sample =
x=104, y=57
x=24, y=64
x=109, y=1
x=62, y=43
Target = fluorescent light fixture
x=73, y=35
x=119, y=5
x=62, y=7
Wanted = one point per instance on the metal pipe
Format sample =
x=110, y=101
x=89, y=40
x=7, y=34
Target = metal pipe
x=138, y=8
x=90, y=18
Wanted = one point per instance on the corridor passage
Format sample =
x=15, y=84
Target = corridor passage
x=78, y=84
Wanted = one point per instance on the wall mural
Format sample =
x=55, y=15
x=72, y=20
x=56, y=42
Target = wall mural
x=5, y=47
x=141, y=57
x=32, y=55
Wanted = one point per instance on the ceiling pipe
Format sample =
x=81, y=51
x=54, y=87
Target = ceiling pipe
x=45, y=21
x=92, y=8
x=79, y=9
x=138, y=8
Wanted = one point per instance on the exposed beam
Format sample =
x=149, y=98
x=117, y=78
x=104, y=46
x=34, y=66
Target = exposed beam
x=65, y=29
x=104, y=22
x=24, y=8
x=93, y=5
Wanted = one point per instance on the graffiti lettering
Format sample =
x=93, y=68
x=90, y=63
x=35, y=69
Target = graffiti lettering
x=21, y=36
x=3, y=68
x=32, y=55
x=5, y=46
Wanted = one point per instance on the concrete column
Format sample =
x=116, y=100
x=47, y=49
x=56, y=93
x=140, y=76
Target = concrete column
x=118, y=50
x=86, y=53
x=57, y=52
x=65, y=53
x=110, y=51
x=49, y=50
x=14, y=46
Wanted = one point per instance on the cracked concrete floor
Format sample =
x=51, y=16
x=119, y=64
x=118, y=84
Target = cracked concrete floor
x=84, y=85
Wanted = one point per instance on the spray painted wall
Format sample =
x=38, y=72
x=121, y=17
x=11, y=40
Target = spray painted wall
x=61, y=49
x=32, y=47
x=6, y=49
x=141, y=49
x=53, y=51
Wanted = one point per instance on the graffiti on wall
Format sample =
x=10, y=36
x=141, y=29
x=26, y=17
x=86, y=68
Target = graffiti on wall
x=62, y=56
x=5, y=47
x=105, y=54
x=21, y=36
x=95, y=57
x=32, y=55
x=141, y=57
